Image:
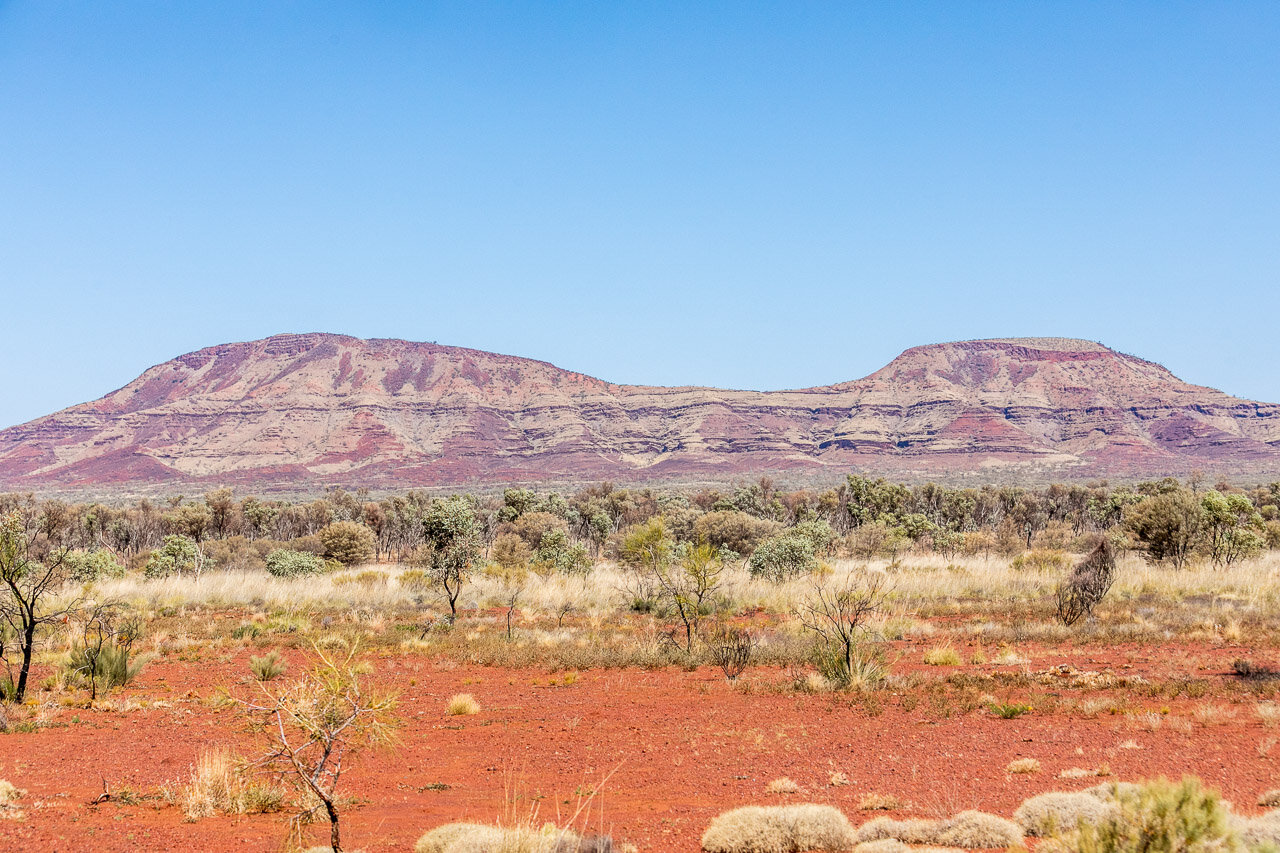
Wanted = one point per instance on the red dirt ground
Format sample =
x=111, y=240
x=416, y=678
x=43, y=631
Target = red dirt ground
x=681, y=747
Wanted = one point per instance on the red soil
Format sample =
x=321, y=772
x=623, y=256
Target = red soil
x=681, y=747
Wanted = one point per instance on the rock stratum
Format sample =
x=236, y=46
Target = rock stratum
x=322, y=408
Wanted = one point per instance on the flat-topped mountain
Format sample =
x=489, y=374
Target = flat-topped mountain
x=293, y=409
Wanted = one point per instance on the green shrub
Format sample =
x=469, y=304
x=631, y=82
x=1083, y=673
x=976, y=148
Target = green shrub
x=555, y=554
x=1161, y=817
x=1009, y=710
x=89, y=566
x=284, y=563
x=178, y=555
x=112, y=666
x=783, y=556
x=818, y=533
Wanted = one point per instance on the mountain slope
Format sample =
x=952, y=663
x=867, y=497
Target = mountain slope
x=318, y=407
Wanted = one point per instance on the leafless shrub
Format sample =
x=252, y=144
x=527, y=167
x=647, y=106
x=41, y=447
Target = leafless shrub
x=1087, y=584
x=730, y=648
x=837, y=614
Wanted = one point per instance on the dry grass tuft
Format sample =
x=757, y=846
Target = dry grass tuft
x=910, y=831
x=1269, y=713
x=1009, y=657
x=972, y=829
x=1079, y=773
x=783, y=785
x=968, y=829
x=458, y=837
x=9, y=792
x=1023, y=766
x=884, y=845
x=1269, y=799
x=1209, y=714
x=1048, y=814
x=1111, y=791
x=463, y=705
x=9, y=796
x=479, y=838
x=942, y=656
x=881, y=802
x=1262, y=832
x=217, y=786
x=777, y=829
x=837, y=779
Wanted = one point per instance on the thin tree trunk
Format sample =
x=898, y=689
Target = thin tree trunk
x=28, y=643
x=334, y=840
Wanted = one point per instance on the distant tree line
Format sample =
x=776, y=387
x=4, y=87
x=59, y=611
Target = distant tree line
x=775, y=532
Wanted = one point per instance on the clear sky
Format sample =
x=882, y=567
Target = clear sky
x=739, y=194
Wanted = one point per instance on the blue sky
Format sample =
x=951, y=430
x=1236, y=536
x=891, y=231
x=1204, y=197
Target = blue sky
x=746, y=195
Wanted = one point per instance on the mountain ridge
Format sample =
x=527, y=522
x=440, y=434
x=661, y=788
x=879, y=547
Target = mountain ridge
x=321, y=407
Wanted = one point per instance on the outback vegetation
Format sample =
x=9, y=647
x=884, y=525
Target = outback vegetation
x=319, y=640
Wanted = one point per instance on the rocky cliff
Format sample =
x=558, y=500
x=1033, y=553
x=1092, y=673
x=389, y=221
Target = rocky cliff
x=316, y=408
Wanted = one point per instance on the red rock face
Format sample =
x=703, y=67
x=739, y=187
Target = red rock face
x=294, y=409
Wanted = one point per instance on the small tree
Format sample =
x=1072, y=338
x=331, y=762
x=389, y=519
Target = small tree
x=348, y=542
x=313, y=725
x=837, y=614
x=178, y=555
x=513, y=580
x=452, y=546
x=1081, y=591
x=510, y=551
x=33, y=571
x=732, y=529
x=687, y=586
x=647, y=552
x=93, y=565
x=1232, y=527
x=1169, y=525
x=555, y=554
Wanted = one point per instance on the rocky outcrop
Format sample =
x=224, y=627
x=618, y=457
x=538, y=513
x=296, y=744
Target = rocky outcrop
x=329, y=408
